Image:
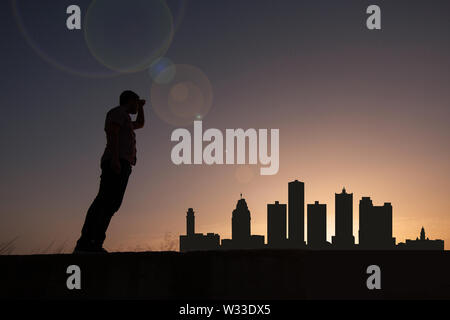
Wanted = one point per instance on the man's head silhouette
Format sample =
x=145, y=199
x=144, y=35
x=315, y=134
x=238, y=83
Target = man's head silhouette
x=130, y=100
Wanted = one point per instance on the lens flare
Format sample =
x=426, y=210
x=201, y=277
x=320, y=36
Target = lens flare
x=186, y=98
x=162, y=70
x=128, y=35
x=178, y=9
x=43, y=25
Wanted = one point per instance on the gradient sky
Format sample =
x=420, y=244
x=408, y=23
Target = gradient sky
x=368, y=110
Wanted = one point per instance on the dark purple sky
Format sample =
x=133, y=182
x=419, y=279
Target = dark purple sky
x=364, y=109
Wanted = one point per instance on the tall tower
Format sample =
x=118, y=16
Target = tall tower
x=422, y=234
x=375, y=225
x=296, y=213
x=190, y=223
x=240, y=222
x=317, y=225
x=343, y=237
x=276, y=224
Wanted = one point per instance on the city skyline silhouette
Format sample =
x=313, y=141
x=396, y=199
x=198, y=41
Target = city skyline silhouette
x=375, y=227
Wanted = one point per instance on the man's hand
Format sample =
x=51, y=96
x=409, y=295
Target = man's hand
x=140, y=119
x=115, y=166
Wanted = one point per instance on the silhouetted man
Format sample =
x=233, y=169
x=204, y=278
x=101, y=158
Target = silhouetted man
x=116, y=162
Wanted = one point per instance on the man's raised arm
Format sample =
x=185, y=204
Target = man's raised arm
x=140, y=119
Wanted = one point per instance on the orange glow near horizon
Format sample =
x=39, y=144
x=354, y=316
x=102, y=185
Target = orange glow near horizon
x=368, y=112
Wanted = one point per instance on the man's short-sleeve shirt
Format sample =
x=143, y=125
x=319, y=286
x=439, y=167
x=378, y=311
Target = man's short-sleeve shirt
x=127, y=137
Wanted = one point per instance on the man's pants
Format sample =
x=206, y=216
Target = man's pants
x=107, y=202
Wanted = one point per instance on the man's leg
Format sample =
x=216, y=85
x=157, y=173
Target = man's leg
x=92, y=234
x=115, y=202
x=88, y=232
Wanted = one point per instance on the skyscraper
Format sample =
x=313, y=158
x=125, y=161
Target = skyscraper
x=240, y=222
x=343, y=238
x=375, y=225
x=190, y=222
x=241, y=238
x=296, y=213
x=317, y=225
x=276, y=225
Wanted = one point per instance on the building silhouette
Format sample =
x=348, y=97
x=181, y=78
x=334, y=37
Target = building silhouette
x=276, y=225
x=375, y=225
x=240, y=222
x=422, y=243
x=241, y=237
x=317, y=225
x=190, y=222
x=343, y=238
x=296, y=214
x=197, y=241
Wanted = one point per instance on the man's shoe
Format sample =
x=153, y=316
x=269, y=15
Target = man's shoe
x=103, y=250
